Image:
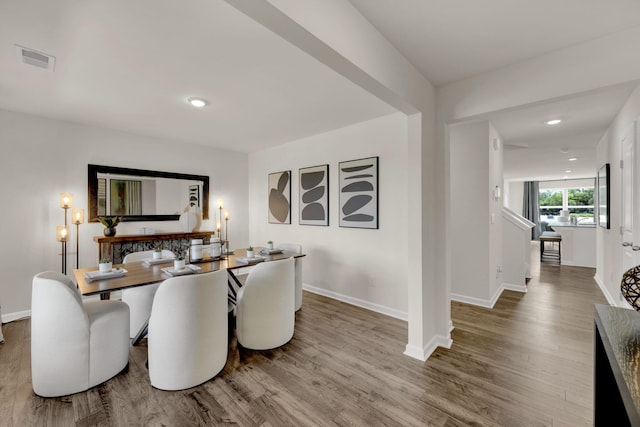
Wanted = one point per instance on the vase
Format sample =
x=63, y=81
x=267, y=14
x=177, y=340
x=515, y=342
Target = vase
x=178, y=264
x=109, y=231
x=250, y=254
x=188, y=221
x=157, y=255
x=105, y=267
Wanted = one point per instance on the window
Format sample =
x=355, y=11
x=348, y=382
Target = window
x=580, y=202
x=550, y=202
x=562, y=195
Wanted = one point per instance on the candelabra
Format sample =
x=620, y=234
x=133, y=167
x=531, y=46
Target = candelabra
x=78, y=218
x=66, y=201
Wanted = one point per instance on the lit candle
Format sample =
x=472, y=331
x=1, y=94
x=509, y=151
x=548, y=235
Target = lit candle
x=218, y=226
x=78, y=216
x=226, y=215
x=66, y=200
x=220, y=203
x=61, y=233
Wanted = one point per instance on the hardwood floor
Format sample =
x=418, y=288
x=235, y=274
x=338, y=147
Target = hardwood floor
x=527, y=362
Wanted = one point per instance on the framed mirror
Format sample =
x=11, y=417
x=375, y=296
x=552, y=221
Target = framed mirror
x=144, y=195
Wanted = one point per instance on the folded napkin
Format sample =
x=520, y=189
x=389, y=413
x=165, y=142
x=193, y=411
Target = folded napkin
x=152, y=261
x=270, y=251
x=245, y=260
x=97, y=275
x=188, y=269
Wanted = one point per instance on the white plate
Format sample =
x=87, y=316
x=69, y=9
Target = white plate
x=270, y=251
x=246, y=260
x=152, y=261
x=97, y=275
x=188, y=269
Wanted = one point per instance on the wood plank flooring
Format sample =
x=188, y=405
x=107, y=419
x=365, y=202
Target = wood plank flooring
x=526, y=362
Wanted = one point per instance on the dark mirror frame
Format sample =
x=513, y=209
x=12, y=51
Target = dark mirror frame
x=93, y=191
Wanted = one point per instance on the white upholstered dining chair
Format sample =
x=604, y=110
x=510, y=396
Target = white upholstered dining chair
x=74, y=345
x=140, y=299
x=188, y=330
x=265, y=312
x=295, y=248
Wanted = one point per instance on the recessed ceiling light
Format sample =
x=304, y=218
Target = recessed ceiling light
x=565, y=177
x=553, y=122
x=572, y=159
x=197, y=102
x=567, y=171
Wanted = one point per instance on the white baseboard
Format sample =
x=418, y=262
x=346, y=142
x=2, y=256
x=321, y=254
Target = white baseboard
x=574, y=264
x=621, y=302
x=477, y=301
x=515, y=288
x=492, y=302
x=10, y=317
x=358, y=302
x=423, y=354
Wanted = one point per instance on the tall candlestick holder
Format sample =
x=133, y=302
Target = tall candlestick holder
x=66, y=202
x=78, y=218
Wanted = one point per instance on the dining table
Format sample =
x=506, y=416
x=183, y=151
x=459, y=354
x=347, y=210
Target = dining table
x=141, y=273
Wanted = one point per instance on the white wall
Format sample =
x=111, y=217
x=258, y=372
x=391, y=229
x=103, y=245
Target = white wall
x=364, y=267
x=43, y=158
x=336, y=34
x=608, y=257
x=514, y=195
x=476, y=216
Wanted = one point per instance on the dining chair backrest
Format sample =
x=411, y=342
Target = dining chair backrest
x=266, y=306
x=75, y=345
x=140, y=298
x=142, y=255
x=296, y=248
x=188, y=330
x=290, y=247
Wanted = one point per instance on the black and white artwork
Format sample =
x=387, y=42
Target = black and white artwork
x=314, y=195
x=358, y=185
x=194, y=195
x=280, y=197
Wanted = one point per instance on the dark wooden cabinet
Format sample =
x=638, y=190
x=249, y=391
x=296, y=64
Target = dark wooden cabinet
x=616, y=367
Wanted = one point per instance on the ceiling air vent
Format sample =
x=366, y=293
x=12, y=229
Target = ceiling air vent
x=35, y=58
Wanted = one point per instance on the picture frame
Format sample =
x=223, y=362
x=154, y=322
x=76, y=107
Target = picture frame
x=313, y=193
x=358, y=187
x=279, y=199
x=604, y=191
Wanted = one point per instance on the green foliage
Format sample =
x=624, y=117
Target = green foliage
x=550, y=198
x=580, y=196
x=110, y=221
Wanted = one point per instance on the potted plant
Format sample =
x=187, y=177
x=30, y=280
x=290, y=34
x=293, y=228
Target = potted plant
x=179, y=263
x=105, y=265
x=110, y=223
x=250, y=252
x=270, y=245
x=157, y=252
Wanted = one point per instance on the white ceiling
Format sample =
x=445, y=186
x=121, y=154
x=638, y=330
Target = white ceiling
x=533, y=148
x=450, y=40
x=130, y=65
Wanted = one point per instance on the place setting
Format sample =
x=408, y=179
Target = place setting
x=180, y=268
x=105, y=271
